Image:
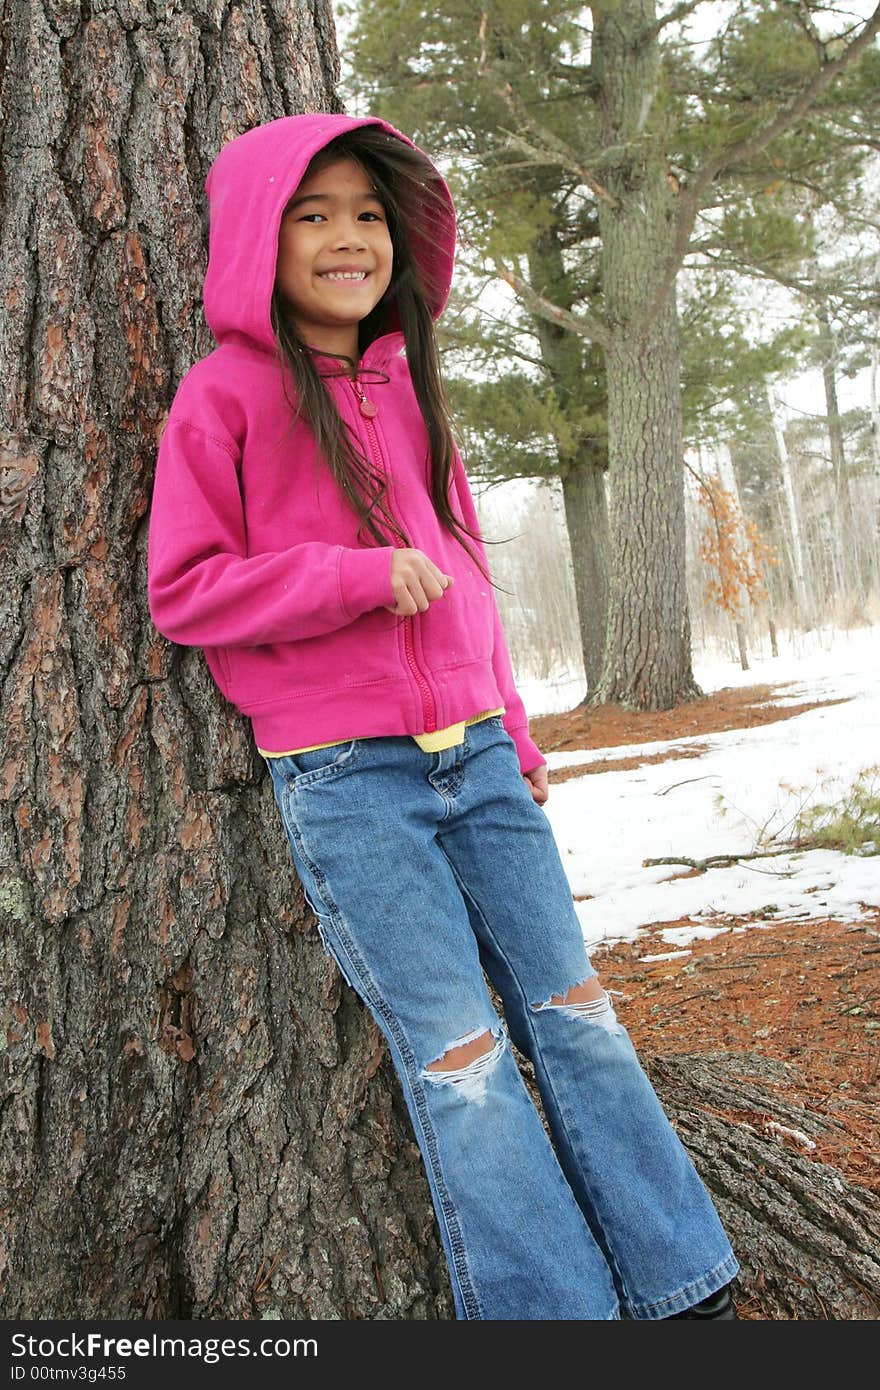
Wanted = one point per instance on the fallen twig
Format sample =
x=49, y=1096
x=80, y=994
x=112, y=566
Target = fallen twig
x=715, y=861
x=686, y=782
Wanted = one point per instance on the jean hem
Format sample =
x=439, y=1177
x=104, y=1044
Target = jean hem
x=707, y=1284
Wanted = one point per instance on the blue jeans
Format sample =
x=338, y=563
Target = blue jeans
x=424, y=870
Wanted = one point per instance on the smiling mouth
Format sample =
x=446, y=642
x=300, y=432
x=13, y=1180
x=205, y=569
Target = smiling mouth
x=352, y=277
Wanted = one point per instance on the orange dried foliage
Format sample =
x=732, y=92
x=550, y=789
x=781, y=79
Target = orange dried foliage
x=734, y=550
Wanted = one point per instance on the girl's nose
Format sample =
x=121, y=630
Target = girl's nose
x=349, y=238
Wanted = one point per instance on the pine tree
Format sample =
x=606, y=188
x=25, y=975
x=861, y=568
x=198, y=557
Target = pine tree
x=596, y=158
x=199, y=1121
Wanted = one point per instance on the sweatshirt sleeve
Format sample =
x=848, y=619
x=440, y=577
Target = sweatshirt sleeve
x=515, y=721
x=204, y=590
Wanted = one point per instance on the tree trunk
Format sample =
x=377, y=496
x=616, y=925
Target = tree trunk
x=741, y=643
x=873, y=379
x=802, y=591
x=647, y=661
x=581, y=469
x=198, y=1121
x=807, y=1240
x=199, y=1118
x=586, y=514
x=845, y=535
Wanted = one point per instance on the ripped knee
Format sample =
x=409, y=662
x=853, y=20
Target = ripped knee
x=587, y=1000
x=468, y=1062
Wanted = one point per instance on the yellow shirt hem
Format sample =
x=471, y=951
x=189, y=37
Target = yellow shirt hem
x=429, y=743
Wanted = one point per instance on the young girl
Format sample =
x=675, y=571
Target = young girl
x=313, y=530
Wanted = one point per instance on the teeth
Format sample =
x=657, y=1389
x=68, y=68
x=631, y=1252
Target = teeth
x=344, y=275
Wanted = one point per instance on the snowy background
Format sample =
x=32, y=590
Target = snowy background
x=607, y=823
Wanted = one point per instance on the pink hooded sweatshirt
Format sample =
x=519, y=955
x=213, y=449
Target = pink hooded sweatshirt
x=253, y=550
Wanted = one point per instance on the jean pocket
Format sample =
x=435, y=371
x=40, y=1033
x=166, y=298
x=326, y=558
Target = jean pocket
x=316, y=764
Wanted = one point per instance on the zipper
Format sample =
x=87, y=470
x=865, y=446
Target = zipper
x=369, y=410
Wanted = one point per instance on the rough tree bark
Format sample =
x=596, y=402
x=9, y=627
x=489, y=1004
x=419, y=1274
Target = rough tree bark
x=807, y=1240
x=199, y=1119
x=194, y=1124
x=647, y=662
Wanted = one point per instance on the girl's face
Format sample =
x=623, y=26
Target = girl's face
x=334, y=256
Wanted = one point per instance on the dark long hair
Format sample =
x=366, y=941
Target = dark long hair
x=409, y=189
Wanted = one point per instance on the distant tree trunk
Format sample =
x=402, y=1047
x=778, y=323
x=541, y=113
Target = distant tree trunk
x=582, y=470
x=647, y=661
x=792, y=531
x=198, y=1119
x=845, y=538
x=874, y=396
x=586, y=514
x=873, y=380
x=741, y=643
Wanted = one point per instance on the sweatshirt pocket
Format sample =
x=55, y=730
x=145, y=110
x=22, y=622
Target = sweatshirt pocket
x=361, y=654
x=459, y=627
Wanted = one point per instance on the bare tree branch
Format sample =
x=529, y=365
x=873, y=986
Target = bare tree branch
x=551, y=145
x=680, y=11
x=754, y=144
x=585, y=325
x=803, y=17
x=856, y=298
x=506, y=345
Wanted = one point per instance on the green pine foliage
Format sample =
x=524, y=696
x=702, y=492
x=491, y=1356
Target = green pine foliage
x=850, y=824
x=607, y=168
x=516, y=170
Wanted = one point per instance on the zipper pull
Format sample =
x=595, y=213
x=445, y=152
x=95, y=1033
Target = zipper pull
x=367, y=408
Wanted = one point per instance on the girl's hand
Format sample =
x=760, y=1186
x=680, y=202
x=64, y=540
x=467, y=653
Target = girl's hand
x=537, y=783
x=416, y=582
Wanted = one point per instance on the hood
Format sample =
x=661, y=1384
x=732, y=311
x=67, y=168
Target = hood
x=248, y=186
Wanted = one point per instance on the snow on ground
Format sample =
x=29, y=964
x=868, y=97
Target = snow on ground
x=748, y=782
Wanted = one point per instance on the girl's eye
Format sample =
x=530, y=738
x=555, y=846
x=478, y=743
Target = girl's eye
x=311, y=216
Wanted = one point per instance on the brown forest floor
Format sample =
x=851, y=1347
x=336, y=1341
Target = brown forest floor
x=805, y=992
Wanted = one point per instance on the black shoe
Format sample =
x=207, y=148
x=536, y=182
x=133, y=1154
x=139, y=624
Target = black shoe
x=718, y=1305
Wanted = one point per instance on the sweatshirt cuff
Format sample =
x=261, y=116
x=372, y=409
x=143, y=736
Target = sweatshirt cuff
x=530, y=755
x=365, y=579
